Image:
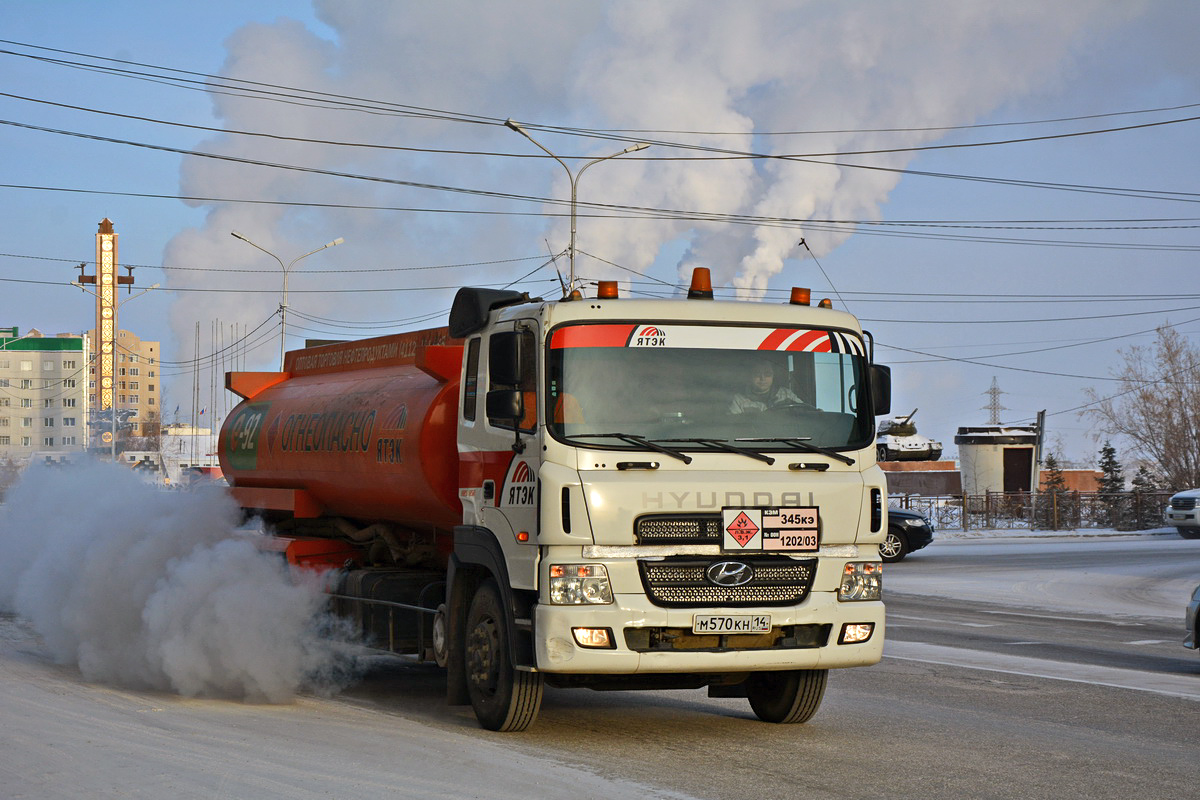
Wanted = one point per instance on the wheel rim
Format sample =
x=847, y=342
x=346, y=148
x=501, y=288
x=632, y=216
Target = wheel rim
x=891, y=546
x=483, y=667
x=439, y=637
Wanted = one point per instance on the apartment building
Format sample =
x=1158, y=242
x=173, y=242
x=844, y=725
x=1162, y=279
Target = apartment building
x=43, y=394
x=136, y=382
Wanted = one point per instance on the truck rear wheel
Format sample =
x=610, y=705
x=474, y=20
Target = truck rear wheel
x=786, y=697
x=504, y=699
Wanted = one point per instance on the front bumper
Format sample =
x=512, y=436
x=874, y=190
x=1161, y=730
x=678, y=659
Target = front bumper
x=557, y=652
x=1189, y=518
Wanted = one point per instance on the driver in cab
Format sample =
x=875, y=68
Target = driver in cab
x=761, y=393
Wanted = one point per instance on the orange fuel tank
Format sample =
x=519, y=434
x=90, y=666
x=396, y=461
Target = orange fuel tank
x=364, y=430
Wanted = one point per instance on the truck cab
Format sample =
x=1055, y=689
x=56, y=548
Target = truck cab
x=662, y=493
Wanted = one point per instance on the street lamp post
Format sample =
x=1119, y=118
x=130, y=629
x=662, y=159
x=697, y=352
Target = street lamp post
x=284, y=305
x=574, y=179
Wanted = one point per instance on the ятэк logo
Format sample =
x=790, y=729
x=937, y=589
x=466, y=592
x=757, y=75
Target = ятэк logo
x=521, y=487
x=650, y=336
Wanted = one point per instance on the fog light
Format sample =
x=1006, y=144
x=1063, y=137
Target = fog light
x=861, y=580
x=593, y=637
x=855, y=632
x=579, y=584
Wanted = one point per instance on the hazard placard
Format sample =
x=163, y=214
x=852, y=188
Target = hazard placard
x=741, y=529
x=795, y=530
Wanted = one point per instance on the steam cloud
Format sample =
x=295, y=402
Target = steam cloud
x=151, y=590
x=739, y=69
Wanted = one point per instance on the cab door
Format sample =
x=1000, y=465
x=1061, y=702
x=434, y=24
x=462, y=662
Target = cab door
x=499, y=449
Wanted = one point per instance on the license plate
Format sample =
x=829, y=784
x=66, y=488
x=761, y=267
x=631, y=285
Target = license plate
x=1179, y=516
x=731, y=623
x=790, y=530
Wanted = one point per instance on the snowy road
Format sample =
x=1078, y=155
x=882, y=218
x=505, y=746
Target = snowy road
x=1122, y=575
x=62, y=738
x=950, y=713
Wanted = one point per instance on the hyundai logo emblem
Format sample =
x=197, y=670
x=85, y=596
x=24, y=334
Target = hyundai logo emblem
x=729, y=573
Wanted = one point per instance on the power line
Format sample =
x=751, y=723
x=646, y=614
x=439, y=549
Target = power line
x=722, y=157
x=344, y=101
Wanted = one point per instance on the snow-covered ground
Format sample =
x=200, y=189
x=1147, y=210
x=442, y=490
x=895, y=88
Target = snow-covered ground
x=1025, y=533
x=63, y=737
x=1090, y=572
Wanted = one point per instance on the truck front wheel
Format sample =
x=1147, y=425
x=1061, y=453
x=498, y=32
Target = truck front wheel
x=504, y=699
x=786, y=697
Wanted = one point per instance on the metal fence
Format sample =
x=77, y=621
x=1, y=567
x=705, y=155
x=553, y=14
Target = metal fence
x=1122, y=511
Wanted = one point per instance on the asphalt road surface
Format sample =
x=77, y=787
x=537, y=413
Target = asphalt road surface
x=1014, y=669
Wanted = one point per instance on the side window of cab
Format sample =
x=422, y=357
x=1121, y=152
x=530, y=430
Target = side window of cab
x=470, y=387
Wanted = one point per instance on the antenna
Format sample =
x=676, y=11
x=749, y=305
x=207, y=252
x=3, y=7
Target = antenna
x=557, y=271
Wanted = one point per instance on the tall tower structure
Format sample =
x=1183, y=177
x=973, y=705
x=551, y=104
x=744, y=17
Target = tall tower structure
x=994, y=408
x=107, y=282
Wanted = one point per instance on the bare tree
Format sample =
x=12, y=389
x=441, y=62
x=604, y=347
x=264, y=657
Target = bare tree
x=1157, y=407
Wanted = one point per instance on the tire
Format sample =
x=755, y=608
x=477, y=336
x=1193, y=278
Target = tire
x=894, y=547
x=504, y=699
x=786, y=697
x=881, y=453
x=1189, y=533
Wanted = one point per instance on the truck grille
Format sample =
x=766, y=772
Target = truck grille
x=681, y=582
x=1183, y=503
x=678, y=529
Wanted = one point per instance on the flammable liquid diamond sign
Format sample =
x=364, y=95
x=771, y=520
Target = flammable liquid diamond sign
x=741, y=529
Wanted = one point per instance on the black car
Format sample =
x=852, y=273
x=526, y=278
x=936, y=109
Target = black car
x=907, y=531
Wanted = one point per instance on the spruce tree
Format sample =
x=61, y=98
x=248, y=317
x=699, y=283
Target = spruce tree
x=1147, y=513
x=1112, y=478
x=1117, y=506
x=1054, y=492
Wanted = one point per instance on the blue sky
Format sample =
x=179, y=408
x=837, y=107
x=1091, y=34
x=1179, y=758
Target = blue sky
x=770, y=77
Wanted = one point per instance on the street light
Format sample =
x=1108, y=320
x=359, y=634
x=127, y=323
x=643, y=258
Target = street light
x=283, y=306
x=574, y=178
x=113, y=409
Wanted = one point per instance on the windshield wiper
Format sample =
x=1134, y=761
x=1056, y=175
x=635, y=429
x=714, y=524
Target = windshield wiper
x=802, y=444
x=633, y=438
x=721, y=444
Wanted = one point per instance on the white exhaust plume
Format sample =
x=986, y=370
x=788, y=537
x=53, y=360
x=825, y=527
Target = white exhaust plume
x=153, y=590
x=718, y=74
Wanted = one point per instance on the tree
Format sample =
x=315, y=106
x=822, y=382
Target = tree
x=1157, y=406
x=1145, y=481
x=1112, y=474
x=1147, y=513
x=1117, y=509
x=1054, y=501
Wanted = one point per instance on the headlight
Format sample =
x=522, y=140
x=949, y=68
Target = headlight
x=579, y=584
x=861, y=580
x=919, y=522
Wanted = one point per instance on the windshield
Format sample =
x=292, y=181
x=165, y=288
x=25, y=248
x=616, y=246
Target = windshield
x=761, y=388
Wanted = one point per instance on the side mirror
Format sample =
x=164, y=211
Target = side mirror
x=505, y=405
x=881, y=389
